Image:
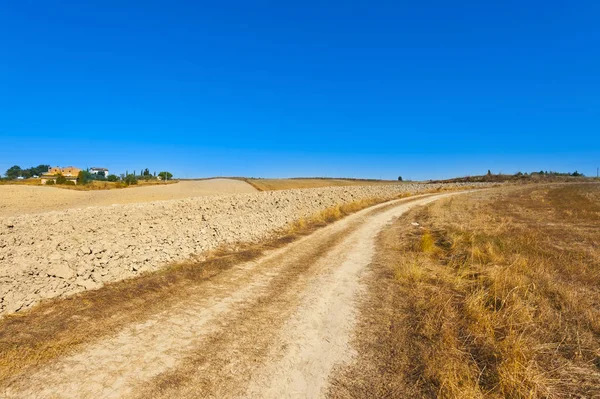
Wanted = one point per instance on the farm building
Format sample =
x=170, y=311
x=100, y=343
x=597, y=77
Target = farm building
x=69, y=172
x=99, y=171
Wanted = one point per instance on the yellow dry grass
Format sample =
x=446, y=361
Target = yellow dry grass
x=24, y=182
x=332, y=214
x=495, y=294
x=107, y=185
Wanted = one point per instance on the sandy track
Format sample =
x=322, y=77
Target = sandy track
x=19, y=200
x=272, y=328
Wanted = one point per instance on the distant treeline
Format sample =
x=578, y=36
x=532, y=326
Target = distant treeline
x=519, y=176
x=15, y=171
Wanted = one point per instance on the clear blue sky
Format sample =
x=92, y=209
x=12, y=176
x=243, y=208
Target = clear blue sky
x=422, y=89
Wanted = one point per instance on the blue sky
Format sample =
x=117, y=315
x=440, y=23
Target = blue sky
x=427, y=89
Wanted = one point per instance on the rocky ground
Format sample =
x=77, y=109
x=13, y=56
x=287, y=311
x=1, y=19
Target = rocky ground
x=59, y=253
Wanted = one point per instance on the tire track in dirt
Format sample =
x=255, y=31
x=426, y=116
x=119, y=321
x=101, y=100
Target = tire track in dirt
x=270, y=328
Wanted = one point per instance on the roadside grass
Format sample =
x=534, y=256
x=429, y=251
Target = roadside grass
x=494, y=294
x=334, y=213
x=288, y=184
x=59, y=326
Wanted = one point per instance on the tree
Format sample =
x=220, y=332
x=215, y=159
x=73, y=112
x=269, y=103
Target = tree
x=39, y=170
x=165, y=175
x=576, y=174
x=112, y=178
x=84, y=177
x=399, y=178
x=146, y=172
x=489, y=173
x=13, y=172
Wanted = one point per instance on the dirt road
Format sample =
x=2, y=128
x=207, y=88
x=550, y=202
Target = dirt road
x=272, y=328
x=19, y=199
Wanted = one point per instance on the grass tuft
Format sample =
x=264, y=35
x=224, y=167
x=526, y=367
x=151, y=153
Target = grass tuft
x=427, y=243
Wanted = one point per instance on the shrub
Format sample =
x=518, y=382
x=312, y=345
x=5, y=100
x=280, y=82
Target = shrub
x=165, y=175
x=60, y=179
x=112, y=178
x=49, y=182
x=69, y=183
x=130, y=179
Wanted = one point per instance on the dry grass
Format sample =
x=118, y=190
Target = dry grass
x=58, y=327
x=495, y=294
x=107, y=185
x=334, y=213
x=287, y=184
x=24, y=182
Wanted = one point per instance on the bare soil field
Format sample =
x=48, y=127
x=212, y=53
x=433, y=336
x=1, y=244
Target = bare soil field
x=24, y=199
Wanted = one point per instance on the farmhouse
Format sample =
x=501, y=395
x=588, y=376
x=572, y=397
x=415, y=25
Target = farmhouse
x=99, y=171
x=69, y=172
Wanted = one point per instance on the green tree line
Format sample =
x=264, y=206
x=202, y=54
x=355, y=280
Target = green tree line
x=16, y=171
